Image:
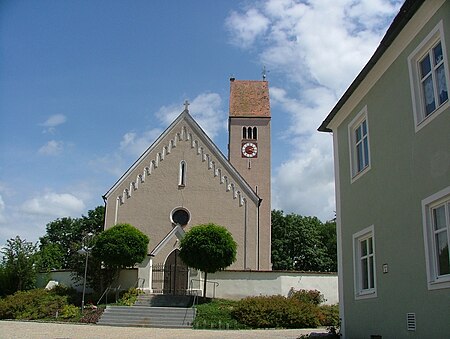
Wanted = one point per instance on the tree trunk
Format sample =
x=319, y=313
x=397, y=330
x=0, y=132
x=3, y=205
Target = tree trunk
x=204, y=286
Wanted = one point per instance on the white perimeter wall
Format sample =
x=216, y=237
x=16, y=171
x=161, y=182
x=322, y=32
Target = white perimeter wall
x=240, y=284
x=231, y=284
x=127, y=279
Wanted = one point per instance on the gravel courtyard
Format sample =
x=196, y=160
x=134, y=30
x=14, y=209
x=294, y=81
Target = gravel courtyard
x=19, y=329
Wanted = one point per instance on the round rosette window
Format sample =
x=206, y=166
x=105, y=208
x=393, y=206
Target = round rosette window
x=180, y=216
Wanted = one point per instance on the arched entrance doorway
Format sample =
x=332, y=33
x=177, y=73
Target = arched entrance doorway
x=175, y=274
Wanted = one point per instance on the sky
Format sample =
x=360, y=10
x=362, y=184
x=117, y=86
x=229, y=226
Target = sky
x=86, y=86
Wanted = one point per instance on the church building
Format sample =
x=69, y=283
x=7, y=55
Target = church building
x=183, y=180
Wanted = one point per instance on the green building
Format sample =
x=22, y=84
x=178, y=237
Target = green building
x=391, y=137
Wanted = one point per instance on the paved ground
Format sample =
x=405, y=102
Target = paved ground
x=23, y=330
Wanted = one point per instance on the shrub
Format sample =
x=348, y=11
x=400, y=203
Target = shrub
x=33, y=304
x=276, y=311
x=312, y=296
x=129, y=297
x=73, y=297
x=329, y=315
x=70, y=312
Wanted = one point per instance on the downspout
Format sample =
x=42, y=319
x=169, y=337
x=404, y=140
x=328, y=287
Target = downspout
x=116, y=212
x=259, y=204
x=245, y=236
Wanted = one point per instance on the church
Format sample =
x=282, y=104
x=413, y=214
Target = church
x=183, y=180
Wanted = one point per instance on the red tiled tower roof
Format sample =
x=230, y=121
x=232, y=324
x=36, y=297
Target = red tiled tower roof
x=249, y=98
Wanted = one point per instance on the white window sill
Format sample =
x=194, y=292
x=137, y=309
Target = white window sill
x=432, y=116
x=360, y=174
x=439, y=283
x=366, y=294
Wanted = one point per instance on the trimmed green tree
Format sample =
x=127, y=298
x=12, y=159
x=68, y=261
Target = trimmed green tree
x=119, y=247
x=208, y=248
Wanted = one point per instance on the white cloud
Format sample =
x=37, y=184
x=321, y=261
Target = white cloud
x=318, y=47
x=305, y=184
x=206, y=110
x=318, y=42
x=246, y=27
x=135, y=144
x=52, y=147
x=52, y=122
x=54, y=204
x=113, y=164
x=2, y=211
x=167, y=114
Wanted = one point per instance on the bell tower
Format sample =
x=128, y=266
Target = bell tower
x=250, y=153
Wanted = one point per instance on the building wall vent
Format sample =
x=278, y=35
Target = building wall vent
x=411, y=321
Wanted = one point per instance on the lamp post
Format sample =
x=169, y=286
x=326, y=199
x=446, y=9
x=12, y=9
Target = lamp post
x=85, y=250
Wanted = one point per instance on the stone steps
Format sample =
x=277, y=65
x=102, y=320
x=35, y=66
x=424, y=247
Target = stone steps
x=164, y=300
x=144, y=316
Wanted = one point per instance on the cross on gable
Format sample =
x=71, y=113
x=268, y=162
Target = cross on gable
x=186, y=105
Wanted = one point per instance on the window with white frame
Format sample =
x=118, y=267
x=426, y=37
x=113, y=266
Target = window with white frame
x=364, y=263
x=436, y=223
x=428, y=70
x=358, y=131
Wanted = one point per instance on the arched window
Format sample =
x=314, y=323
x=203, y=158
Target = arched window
x=182, y=174
x=255, y=133
x=244, y=132
x=249, y=133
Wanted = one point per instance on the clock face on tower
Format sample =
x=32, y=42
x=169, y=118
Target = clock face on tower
x=249, y=150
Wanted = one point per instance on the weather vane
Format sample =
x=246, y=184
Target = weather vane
x=264, y=73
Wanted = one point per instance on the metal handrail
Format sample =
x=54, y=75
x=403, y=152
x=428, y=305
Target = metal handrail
x=109, y=288
x=215, y=284
x=103, y=294
x=194, y=302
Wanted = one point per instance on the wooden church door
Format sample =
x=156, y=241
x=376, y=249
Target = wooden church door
x=175, y=274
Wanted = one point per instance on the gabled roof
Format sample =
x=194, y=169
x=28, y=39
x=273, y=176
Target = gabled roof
x=406, y=12
x=209, y=144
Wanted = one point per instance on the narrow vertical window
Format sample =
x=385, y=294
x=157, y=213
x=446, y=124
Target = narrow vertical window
x=255, y=133
x=440, y=230
x=359, y=144
x=362, y=146
x=436, y=224
x=364, y=263
x=249, y=133
x=244, y=132
x=182, y=174
x=367, y=264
